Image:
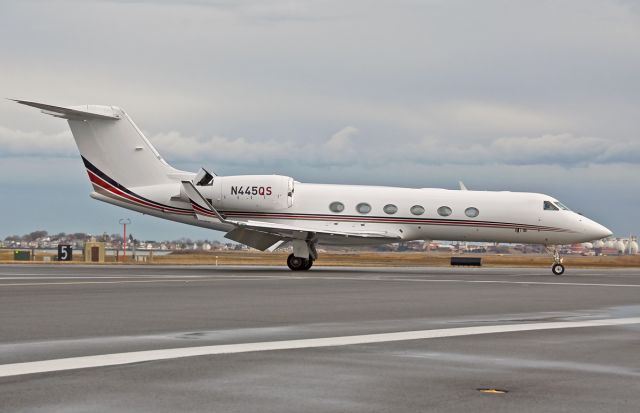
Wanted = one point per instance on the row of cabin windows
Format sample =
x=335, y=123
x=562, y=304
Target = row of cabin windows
x=444, y=211
x=391, y=209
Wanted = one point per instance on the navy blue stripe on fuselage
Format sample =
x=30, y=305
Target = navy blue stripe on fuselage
x=322, y=217
x=387, y=220
x=91, y=167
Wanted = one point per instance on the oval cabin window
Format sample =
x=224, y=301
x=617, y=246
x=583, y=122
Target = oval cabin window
x=471, y=212
x=444, y=211
x=417, y=210
x=363, y=208
x=336, y=207
x=390, y=209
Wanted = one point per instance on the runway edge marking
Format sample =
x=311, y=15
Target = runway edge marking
x=114, y=359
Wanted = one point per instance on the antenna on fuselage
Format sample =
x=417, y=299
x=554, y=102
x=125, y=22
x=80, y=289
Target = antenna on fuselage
x=462, y=186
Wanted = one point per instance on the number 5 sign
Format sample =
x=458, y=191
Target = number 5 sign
x=65, y=253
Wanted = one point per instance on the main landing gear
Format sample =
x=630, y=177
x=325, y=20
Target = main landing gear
x=557, y=268
x=304, y=254
x=299, y=264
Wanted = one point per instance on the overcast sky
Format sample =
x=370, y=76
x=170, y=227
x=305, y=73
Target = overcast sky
x=539, y=96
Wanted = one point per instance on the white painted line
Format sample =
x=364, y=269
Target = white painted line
x=523, y=282
x=89, y=282
x=160, y=280
x=115, y=359
x=17, y=273
x=100, y=277
x=453, y=280
x=248, y=277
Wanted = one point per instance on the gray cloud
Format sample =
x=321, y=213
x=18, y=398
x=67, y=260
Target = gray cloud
x=20, y=143
x=256, y=11
x=528, y=95
x=348, y=146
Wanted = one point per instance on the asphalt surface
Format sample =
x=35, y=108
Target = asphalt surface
x=61, y=313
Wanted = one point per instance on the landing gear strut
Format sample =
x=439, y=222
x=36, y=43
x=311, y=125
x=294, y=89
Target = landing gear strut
x=299, y=264
x=557, y=268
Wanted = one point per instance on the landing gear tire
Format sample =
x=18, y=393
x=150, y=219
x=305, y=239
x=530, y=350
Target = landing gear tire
x=308, y=264
x=557, y=269
x=298, y=264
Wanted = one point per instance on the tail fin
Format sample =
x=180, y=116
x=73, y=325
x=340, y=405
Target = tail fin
x=110, y=142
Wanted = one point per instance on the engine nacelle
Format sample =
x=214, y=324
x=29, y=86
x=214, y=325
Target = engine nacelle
x=249, y=192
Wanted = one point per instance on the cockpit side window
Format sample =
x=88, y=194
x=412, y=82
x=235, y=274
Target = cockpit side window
x=562, y=206
x=548, y=206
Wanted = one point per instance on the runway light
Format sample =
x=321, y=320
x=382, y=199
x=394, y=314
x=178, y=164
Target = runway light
x=493, y=391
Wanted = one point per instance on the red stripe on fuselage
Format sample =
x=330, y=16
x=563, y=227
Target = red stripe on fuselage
x=202, y=211
x=96, y=180
x=423, y=221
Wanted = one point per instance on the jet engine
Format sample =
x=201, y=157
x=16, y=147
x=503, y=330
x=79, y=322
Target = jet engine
x=249, y=192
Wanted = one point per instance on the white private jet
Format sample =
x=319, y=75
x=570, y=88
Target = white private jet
x=265, y=211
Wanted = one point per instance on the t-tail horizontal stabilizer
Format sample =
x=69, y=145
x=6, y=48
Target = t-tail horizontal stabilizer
x=83, y=112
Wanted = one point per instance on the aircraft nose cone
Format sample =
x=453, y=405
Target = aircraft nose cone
x=597, y=231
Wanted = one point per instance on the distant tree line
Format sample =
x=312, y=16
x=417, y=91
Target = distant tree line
x=36, y=235
x=184, y=242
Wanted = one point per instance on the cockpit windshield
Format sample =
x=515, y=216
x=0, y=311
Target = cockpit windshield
x=554, y=206
x=549, y=206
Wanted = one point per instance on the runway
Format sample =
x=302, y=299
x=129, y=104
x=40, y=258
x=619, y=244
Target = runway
x=172, y=338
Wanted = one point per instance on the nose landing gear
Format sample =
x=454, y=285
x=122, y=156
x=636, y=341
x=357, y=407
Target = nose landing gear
x=557, y=268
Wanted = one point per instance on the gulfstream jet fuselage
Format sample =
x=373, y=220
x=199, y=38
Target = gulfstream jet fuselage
x=265, y=211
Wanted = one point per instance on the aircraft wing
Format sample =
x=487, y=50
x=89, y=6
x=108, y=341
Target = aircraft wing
x=264, y=235
x=291, y=231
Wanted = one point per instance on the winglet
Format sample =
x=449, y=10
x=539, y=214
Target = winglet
x=201, y=207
